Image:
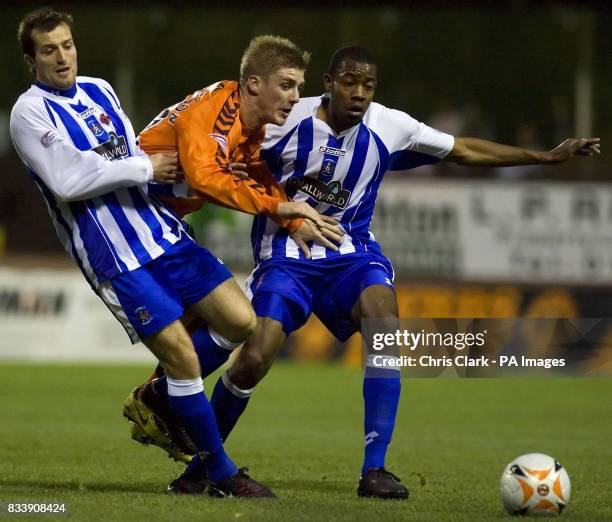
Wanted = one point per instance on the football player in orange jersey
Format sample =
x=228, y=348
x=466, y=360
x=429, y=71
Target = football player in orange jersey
x=210, y=130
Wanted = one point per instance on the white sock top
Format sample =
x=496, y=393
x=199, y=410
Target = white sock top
x=183, y=387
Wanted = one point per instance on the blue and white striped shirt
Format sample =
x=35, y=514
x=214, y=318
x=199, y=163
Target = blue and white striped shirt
x=340, y=174
x=80, y=149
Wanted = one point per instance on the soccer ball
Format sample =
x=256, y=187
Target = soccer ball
x=535, y=484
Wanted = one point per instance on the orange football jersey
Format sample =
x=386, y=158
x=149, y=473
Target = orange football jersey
x=206, y=131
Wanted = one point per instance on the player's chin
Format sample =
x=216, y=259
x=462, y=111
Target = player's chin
x=280, y=118
x=354, y=117
x=65, y=81
x=283, y=114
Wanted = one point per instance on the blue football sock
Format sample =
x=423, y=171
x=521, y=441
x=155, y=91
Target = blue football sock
x=188, y=402
x=228, y=403
x=381, y=396
x=210, y=354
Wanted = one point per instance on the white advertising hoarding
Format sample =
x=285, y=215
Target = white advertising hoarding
x=531, y=232
x=53, y=314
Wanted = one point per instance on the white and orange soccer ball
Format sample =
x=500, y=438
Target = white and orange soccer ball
x=535, y=484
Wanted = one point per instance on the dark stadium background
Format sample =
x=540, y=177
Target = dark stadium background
x=504, y=68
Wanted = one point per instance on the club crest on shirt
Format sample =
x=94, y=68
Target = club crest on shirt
x=328, y=167
x=114, y=148
x=48, y=138
x=331, y=193
x=95, y=127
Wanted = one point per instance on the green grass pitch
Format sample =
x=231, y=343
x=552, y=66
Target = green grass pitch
x=63, y=439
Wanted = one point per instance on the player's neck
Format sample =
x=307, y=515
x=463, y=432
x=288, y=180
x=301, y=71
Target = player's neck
x=324, y=113
x=249, y=114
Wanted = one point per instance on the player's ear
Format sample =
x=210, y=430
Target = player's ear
x=30, y=62
x=253, y=85
x=327, y=81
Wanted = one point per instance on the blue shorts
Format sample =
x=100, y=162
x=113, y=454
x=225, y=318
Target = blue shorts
x=151, y=297
x=288, y=290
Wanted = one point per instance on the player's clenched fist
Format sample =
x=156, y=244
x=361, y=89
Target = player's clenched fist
x=164, y=167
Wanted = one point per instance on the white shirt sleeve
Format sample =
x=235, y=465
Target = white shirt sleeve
x=410, y=141
x=71, y=174
x=416, y=136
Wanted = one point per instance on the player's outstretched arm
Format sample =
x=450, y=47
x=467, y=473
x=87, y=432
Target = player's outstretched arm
x=483, y=153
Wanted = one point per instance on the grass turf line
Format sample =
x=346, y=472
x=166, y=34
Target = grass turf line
x=62, y=438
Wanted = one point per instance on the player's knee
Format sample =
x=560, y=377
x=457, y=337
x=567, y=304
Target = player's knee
x=377, y=302
x=250, y=368
x=377, y=313
x=243, y=325
x=259, y=364
x=384, y=308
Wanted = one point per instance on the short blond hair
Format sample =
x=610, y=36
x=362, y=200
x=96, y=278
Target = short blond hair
x=267, y=53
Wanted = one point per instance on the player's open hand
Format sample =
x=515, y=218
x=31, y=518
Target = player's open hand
x=309, y=231
x=317, y=228
x=239, y=170
x=331, y=229
x=575, y=147
x=165, y=167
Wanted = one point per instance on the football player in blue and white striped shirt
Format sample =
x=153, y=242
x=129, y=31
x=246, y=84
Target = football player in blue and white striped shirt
x=80, y=149
x=333, y=152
